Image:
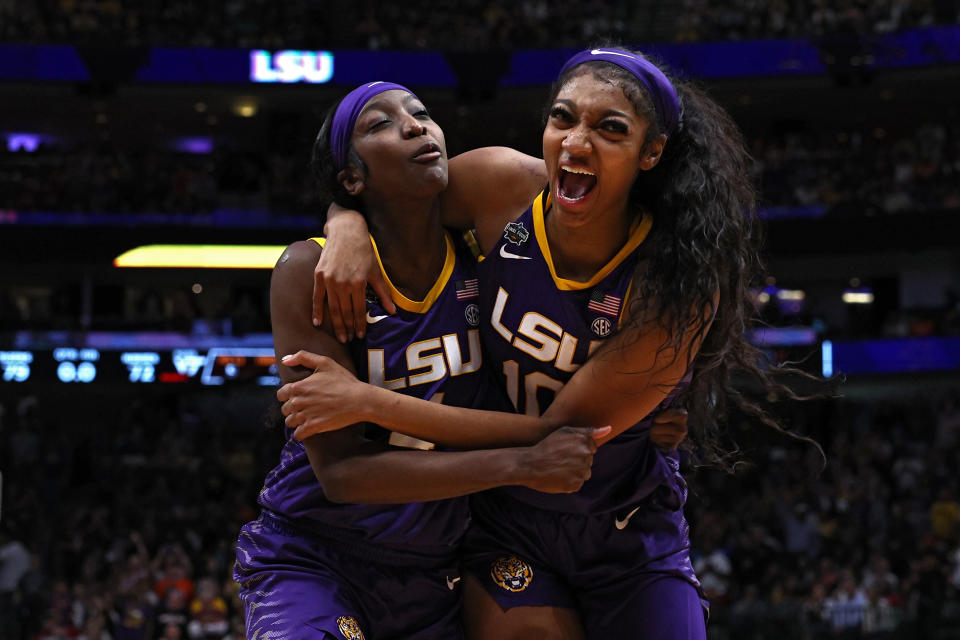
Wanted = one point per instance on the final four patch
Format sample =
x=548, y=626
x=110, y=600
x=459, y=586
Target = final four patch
x=515, y=233
x=349, y=628
x=511, y=573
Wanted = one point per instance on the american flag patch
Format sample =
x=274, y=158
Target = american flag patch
x=467, y=289
x=605, y=303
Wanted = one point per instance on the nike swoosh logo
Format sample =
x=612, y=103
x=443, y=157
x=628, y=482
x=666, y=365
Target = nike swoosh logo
x=597, y=52
x=374, y=319
x=506, y=254
x=452, y=583
x=622, y=524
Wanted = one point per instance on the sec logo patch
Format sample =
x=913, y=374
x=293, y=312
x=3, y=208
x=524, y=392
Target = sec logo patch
x=472, y=314
x=511, y=573
x=602, y=327
x=349, y=628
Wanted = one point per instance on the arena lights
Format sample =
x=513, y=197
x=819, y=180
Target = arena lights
x=863, y=295
x=28, y=142
x=314, y=67
x=194, y=144
x=791, y=294
x=245, y=107
x=201, y=256
x=826, y=358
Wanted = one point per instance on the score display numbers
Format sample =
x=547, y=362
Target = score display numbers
x=68, y=365
x=76, y=365
x=15, y=365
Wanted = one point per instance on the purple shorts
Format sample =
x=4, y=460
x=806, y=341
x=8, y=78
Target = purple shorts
x=629, y=575
x=299, y=586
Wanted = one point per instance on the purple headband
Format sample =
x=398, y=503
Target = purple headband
x=345, y=117
x=661, y=90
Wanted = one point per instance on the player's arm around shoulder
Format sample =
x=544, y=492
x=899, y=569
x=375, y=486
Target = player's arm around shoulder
x=352, y=468
x=627, y=377
x=490, y=187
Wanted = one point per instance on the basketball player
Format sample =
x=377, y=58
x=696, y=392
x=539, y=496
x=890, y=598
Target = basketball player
x=370, y=551
x=643, y=243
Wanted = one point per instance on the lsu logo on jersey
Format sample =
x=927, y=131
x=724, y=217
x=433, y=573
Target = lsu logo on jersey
x=349, y=628
x=428, y=361
x=515, y=233
x=511, y=573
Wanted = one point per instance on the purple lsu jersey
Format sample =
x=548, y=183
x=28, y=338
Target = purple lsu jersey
x=542, y=327
x=429, y=349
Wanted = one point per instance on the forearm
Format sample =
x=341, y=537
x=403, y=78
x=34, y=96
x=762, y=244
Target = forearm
x=402, y=476
x=455, y=427
x=340, y=219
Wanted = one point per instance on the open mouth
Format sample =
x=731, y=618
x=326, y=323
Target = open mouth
x=427, y=153
x=575, y=183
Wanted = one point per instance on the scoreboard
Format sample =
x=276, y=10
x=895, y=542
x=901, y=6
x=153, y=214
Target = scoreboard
x=168, y=359
x=70, y=365
x=158, y=364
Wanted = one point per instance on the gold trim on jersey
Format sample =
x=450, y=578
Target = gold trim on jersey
x=474, y=244
x=623, y=305
x=420, y=306
x=637, y=235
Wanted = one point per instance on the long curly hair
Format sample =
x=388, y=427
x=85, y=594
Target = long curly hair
x=705, y=257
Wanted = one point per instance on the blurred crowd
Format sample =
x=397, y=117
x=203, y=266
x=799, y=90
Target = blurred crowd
x=456, y=25
x=869, y=548
x=120, y=525
x=859, y=172
x=109, y=178
x=418, y=24
x=217, y=309
x=755, y=19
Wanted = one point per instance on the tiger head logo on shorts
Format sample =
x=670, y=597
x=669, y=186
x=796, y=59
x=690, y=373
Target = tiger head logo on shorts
x=350, y=628
x=511, y=573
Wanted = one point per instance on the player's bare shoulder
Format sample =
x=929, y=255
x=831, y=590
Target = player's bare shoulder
x=299, y=256
x=490, y=187
x=293, y=273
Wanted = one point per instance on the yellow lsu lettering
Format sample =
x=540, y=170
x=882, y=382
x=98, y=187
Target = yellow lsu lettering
x=543, y=339
x=419, y=358
x=428, y=361
x=538, y=336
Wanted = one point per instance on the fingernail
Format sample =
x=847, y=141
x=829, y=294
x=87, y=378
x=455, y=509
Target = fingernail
x=285, y=358
x=316, y=322
x=342, y=337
